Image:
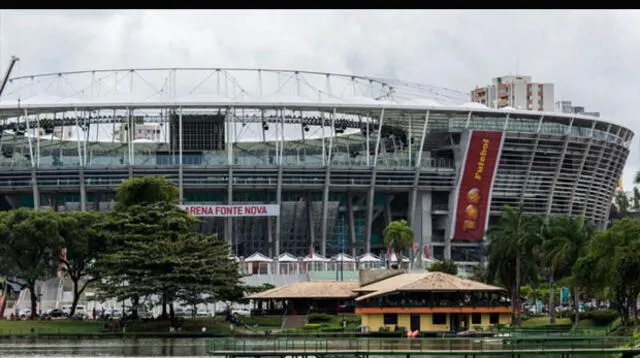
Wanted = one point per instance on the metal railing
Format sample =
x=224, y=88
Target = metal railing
x=542, y=343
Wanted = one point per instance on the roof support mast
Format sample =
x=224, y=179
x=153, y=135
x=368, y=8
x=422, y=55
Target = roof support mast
x=14, y=59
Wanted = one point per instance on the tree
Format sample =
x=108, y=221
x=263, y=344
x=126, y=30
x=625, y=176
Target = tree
x=565, y=241
x=29, y=248
x=140, y=261
x=145, y=191
x=446, y=266
x=238, y=294
x=204, y=266
x=143, y=213
x=84, y=240
x=621, y=201
x=398, y=236
x=479, y=273
x=156, y=250
x=613, y=263
x=511, y=253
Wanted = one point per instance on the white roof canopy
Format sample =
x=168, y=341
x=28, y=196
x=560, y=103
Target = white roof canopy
x=368, y=257
x=394, y=258
x=344, y=257
x=257, y=257
x=315, y=258
x=287, y=257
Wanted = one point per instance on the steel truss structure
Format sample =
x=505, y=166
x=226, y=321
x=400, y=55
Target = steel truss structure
x=343, y=155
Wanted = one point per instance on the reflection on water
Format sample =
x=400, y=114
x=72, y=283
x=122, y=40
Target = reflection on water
x=130, y=347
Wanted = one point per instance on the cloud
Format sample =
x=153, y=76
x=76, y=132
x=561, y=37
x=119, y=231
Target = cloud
x=591, y=56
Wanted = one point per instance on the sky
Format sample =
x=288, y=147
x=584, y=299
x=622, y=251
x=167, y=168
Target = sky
x=590, y=56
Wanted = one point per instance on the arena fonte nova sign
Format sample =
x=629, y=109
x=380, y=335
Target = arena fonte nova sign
x=236, y=210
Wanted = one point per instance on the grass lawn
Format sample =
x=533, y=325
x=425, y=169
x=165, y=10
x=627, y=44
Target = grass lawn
x=540, y=322
x=65, y=326
x=49, y=327
x=589, y=323
x=331, y=323
x=268, y=322
x=189, y=325
x=214, y=326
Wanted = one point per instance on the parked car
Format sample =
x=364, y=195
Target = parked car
x=114, y=313
x=180, y=312
x=241, y=312
x=80, y=316
x=142, y=314
x=55, y=313
x=24, y=313
x=145, y=315
x=82, y=309
x=203, y=313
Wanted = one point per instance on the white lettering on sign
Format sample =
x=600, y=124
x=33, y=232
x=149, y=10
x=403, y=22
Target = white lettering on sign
x=232, y=210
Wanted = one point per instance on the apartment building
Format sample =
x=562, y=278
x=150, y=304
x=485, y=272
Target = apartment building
x=567, y=107
x=516, y=91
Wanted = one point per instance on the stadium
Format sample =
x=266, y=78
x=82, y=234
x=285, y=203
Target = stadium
x=279, y=161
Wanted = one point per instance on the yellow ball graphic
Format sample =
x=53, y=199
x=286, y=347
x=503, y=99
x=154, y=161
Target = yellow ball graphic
x=469, y=225
x=472, y=212
x=473, y=196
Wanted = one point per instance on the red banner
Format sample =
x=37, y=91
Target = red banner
x=474, y=191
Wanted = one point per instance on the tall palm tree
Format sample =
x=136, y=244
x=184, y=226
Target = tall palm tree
x=621, y=201
x=636, y=178
x=511, y=253
x=565, y=240
x=398, y=236
x=479, y=273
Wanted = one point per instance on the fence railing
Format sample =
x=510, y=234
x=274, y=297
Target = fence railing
x=513, y=344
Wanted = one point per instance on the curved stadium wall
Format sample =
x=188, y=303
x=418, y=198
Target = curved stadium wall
x=335, y=167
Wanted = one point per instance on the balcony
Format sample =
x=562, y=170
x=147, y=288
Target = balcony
x=441, y=209
x=434, y=304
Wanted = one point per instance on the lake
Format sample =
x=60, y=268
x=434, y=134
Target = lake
x=130, y=347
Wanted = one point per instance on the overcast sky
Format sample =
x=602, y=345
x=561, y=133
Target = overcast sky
x=591, y=56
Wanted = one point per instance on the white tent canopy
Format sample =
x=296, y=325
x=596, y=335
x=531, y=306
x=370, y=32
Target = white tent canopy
x=394, y=258
x=344, y=258
x=315, y=258
x=287, y=257
x=257, y=257
x=368, y=257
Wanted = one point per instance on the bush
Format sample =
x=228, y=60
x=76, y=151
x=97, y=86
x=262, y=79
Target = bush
x=331, y=329
x=320, y=318
x=600, y=318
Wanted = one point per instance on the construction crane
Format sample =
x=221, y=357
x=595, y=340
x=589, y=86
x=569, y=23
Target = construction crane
x=14, y=59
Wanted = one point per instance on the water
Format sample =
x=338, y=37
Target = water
x=130, y=347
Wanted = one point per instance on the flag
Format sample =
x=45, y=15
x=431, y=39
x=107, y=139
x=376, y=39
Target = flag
x=310, y=255
x=416, y=248
x=63, y=254
x=427, y=251
x=389, y=248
